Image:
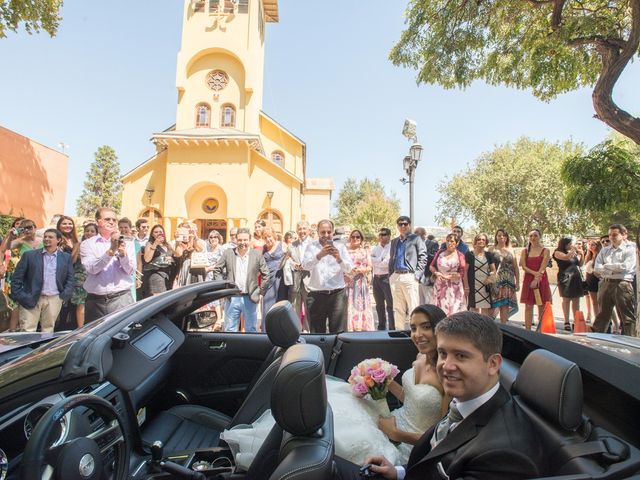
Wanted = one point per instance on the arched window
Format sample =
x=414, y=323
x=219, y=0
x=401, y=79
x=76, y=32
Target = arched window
x=228, y=116
x=203, y=115
x=272, y=219
x=277, y=157
x=153, y=215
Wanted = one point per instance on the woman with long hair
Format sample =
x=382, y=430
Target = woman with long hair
x=157, y=263
x=448, y=268
x=591, y=279
x=257, y=241
x=535, y=287
x=480, y=275
x=503, y=290
x=71, y=244
x=359, y=311
x=214, y=252
x=569, y=278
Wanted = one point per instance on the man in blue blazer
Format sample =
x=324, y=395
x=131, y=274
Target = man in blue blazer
x=42, y=281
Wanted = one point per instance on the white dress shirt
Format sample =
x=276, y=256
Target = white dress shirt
x=617, y=262
x=326, y=273
x=380, y=259
x=242, y=267
x=465, y=409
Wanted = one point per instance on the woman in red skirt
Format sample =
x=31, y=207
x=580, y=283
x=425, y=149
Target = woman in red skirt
x=535, y=287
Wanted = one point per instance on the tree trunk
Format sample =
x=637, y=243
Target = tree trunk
x=614, y=61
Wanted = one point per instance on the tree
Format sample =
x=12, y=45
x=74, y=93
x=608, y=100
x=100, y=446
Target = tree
x=605, y=182
x=103, y=187
x=36, y=15
x=366, y=206
x=516, y=187
x=550, y=46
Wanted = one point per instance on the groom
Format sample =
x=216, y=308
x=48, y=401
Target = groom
x=485, y=435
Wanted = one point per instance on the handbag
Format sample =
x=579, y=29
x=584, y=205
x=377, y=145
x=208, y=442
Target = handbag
x=199, y=260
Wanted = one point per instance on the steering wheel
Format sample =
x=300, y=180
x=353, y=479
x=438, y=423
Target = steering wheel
x=82, y=458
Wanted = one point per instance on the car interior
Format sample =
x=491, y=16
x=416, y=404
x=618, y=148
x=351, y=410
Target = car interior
x=155, y=402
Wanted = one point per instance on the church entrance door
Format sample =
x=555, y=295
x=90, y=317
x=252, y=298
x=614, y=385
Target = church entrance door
x=207, y=226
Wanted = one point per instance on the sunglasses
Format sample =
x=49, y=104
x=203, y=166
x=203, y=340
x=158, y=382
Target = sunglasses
x=606, y=241
x=403, y=224
x=30, y=227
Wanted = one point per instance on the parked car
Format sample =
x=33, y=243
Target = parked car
x=93, y=403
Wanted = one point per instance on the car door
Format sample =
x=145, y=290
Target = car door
x=214, y=369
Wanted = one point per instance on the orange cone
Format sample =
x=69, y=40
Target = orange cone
x=579, y=325
x=548, y=323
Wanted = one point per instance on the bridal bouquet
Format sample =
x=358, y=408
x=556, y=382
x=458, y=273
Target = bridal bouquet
x=372, y=376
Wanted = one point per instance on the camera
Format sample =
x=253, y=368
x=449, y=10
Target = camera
x=18, y=231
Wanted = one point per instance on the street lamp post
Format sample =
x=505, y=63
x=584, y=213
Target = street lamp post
x=410, y=162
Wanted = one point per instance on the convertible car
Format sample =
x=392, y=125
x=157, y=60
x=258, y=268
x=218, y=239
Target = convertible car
x=144, y=393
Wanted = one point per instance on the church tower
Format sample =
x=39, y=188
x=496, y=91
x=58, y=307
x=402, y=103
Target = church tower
x=225, y=163
x=220, y=66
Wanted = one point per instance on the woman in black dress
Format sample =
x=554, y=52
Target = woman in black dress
x=591, y=280
x=157, y=263
x=569, y=278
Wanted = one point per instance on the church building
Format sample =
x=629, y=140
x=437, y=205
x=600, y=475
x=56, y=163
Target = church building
x=225, y=163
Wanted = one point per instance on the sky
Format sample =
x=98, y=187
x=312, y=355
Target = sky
x=108, y=77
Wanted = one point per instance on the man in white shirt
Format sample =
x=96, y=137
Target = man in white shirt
x=381, y=289
x=298, y=291
x=616, y=266
x=485, y=435
x=327, y=300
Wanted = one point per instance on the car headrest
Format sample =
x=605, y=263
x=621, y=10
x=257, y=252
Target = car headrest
x=282, y=324
x=552, y=386
x=299, y=392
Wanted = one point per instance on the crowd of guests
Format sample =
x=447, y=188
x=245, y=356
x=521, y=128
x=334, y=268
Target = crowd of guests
x=330, y=276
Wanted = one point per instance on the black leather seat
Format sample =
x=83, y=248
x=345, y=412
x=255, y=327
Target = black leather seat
x=549, y=389
x=188, y=427
x=301, y=443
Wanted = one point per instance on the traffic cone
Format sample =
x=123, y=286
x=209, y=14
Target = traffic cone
x=547, y=323
x=579, y=325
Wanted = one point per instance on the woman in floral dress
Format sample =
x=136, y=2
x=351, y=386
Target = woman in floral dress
x=448, y=268
x=503, y=291
x=359, y=311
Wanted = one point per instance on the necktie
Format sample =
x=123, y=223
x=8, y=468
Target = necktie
x=454, y=416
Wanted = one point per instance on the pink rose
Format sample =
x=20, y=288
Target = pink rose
x=379, y=376
x=360, y=389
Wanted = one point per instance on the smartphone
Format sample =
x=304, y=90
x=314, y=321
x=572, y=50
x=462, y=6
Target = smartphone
x=121, y=239
x=182, y=234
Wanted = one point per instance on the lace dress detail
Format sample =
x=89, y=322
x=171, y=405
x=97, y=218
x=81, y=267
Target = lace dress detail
x=421, y=410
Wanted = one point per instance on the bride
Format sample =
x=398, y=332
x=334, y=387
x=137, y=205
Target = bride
x=358, y=428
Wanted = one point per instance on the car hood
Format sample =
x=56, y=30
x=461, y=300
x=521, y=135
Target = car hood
x=15, y=340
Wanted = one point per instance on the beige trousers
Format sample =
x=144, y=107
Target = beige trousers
x=406, y=296
x=45, y=313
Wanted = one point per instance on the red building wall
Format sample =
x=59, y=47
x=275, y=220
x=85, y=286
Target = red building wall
x=33, y=178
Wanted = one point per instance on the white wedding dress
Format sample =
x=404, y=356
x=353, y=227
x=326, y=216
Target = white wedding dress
x=355, y=423
x=356, y=420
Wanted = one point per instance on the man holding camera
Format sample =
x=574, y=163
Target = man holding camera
x=328, y=263
x=110, y=261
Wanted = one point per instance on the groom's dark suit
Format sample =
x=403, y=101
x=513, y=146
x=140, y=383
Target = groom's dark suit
x=497, y=441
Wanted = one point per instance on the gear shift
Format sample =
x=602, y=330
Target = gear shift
x=177, y=471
